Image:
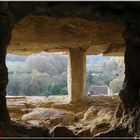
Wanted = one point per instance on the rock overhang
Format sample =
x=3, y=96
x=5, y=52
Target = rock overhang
x=43, y=33
x=96, y=27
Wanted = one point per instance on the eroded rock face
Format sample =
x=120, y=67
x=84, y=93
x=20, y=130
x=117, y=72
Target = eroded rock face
x=55, y=116
x=101, y=127
x=60, y=34
x=97, y=116
x=94, y=27
x=87, y=124
x=100, y=114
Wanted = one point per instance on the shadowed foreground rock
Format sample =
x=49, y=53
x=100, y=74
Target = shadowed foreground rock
x=22, y=130
x=61, y=131
x=84, y=133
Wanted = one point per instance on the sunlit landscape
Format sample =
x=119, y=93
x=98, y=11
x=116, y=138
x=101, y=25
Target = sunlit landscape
x=45, y=74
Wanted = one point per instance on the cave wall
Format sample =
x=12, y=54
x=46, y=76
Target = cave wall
x=129, y=107
x=60, y=34
x=5, y=36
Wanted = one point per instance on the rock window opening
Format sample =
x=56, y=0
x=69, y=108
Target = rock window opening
x=105, y=75
x=41, y=74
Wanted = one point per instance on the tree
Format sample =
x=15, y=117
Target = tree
x=116, y=84
x=55, y=89
x=89, y=79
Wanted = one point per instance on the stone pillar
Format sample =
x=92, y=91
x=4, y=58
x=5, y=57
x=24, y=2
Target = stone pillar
x=5, y=36
x=76, y=74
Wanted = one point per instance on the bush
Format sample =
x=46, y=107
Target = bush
x=55, y=89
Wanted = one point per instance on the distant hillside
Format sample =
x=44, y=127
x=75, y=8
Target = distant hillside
x=90, y=58
x=46, y=73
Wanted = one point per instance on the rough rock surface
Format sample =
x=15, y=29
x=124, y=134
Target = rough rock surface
x=30, y=130
x=50, y=112
x=101, y=127
x=102, y=114
x=60, y=34
x=84, y=133
x=94, y=27
x=54, y=116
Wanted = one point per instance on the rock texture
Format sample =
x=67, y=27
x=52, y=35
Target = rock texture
x=60, y=34
x=54, y=116
x=62, y=114
x=94, y=27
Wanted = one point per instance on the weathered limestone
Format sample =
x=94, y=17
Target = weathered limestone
x=60, y=34
x=76, y=74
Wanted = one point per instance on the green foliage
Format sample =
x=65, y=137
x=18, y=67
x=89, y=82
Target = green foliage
x=107, y=73
x=64, y=91
x=55, y=89
x=46, y=74
x=50, y=64
x=89, y=77
x=46, y=93
x=37, y=74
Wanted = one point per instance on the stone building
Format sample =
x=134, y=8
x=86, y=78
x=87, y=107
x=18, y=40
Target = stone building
x=99, y=90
